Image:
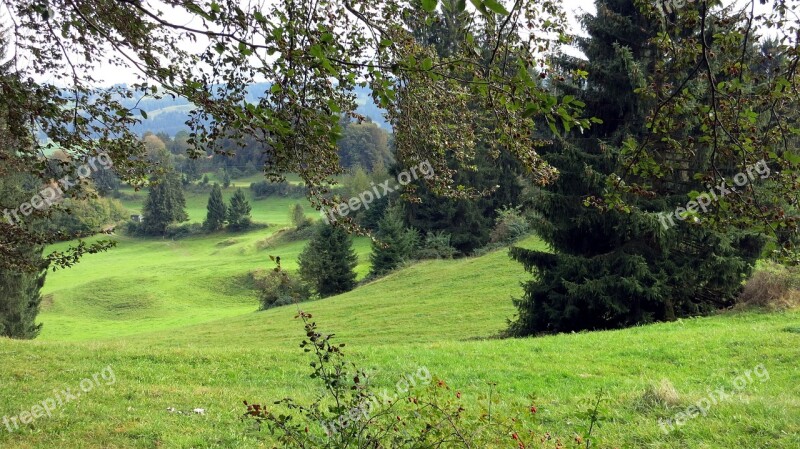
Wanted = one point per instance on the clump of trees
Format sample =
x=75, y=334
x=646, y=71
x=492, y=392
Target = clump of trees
x=266, y=189
x=164, y=206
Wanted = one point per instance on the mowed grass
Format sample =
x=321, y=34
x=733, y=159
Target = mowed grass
x=178, y=325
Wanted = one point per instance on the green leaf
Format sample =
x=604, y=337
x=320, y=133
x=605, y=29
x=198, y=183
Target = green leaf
x=427, y=64
x=461, y=5
x=316, y=51
x=429, y=5
x=531, y=111
x=144, y=114
x=496, y=7
x=478, y=4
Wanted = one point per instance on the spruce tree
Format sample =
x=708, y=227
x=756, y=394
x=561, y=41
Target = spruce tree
x=239, y=212
x=217, y=212
x=20, y=288
x=610, y=268
x=20, y=298
x=20, y=285
x=394, y=244
x=328, y=261
x=165, y=205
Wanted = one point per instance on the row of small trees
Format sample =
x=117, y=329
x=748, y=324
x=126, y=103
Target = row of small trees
x=237, y=214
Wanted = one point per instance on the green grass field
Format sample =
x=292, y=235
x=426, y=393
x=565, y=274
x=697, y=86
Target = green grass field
x=178, y=324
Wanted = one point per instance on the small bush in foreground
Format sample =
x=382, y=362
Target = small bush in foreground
x=351, y=413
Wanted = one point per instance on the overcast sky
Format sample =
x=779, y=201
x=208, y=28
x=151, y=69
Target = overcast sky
x=117, y=75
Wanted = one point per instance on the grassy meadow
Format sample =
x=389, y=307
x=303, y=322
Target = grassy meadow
x=177, y=323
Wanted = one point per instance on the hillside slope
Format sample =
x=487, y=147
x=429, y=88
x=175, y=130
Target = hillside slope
x=435, y=314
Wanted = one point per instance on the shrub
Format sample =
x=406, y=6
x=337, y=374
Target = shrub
x=436, y=246
x=265, y=189
x=510, y=226
x=279, y=288
x=351, y=413
x=773, y=287
x=179, y=231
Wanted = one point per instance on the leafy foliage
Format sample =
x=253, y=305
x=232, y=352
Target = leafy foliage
x=510, y=226
x=436, y=245
x=298, y=217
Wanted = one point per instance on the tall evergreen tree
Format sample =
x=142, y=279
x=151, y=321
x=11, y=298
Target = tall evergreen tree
x=165, y=205
x=611, y=268
x=216, y=210
x=20, y=286
x=328, y=261
x=395, y=243
x=239, y=212
x=21, y=297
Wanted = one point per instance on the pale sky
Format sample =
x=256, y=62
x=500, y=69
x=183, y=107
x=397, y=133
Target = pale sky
x=117, y=75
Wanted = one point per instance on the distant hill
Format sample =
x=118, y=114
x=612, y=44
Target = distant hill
x=169, y=115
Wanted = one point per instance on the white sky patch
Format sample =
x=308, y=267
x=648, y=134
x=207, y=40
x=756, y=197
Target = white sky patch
x=110, y=74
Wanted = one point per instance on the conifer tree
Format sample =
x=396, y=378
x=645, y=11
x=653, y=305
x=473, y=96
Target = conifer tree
x=328, y=261
x=395, y=243
x=20, y=298
x=20, y=285
x=217, y=212
x=239, y=212
x=20, y=288
x=611, y=268
x=165, y=205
